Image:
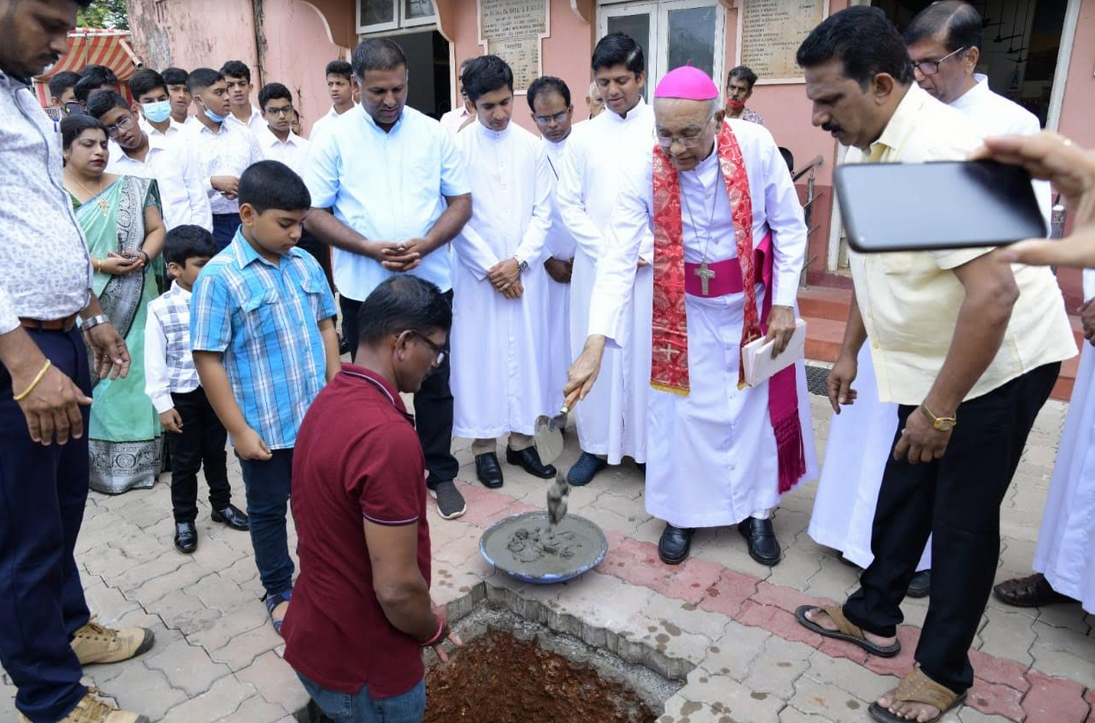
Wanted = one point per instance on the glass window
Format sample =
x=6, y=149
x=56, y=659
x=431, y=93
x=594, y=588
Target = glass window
x=638, y=27
x=377, y=12
x=692, y=38
x=417, y=9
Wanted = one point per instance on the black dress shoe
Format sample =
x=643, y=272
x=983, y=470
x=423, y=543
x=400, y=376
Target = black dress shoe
x=529, y=460
x=186, y=537
x=675, y=543
x=921, y=584
x=232, y=517
x=763, y=545
x=488, y=470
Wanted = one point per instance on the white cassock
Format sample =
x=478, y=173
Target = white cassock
x=1066, y=541
x=712, y=456
x=560, y=245
x=861, y=437
x=498, y=350
x=612, y=419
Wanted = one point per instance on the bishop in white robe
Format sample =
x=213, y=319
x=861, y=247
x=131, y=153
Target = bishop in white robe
x=1064, y=561
x=499, y=376
x=612, y=422
x=714, y=454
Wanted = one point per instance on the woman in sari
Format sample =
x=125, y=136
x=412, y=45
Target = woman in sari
x=120, y=216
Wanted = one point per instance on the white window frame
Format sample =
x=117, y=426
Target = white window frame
x=657, y=56
x=398, y=21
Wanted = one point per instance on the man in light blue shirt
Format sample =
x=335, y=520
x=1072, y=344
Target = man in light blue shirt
x=388, y=194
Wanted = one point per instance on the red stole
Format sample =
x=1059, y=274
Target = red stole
x=669, y=364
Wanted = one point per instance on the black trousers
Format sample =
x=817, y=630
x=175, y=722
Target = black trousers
x=201, y=444
x=432, y=405
x=43, y=492
x=957, y=500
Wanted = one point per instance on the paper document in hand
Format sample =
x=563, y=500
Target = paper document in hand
x=756, y=356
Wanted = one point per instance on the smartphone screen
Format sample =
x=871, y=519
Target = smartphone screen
x=940, y=205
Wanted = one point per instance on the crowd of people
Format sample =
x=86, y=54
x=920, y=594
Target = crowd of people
x=179, y=268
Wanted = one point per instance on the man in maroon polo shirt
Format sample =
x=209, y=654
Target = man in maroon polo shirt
x=361, y=610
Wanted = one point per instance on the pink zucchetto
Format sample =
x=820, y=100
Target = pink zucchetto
x=687, y=83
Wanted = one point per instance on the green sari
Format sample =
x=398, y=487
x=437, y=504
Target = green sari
x=125, y=437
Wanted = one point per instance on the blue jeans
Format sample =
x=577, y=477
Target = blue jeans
x=360, y=707
x=43, y=491
x=224, y=228
x=267, y=484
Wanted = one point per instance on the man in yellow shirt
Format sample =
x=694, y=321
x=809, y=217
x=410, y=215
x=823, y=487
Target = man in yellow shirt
x=968, y=347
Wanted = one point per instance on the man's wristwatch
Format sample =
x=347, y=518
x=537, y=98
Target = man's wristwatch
x=941, y=424
x=522, y=265
x=89, y=324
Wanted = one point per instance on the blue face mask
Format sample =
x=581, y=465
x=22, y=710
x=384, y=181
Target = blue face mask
x=215, y=117
x=157, y=112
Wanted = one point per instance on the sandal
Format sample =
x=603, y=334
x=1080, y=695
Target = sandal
x=847, y=631
x=918, y=688
x=272, y=602
x=1028, y=592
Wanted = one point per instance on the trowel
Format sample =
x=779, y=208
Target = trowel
x=549, y=445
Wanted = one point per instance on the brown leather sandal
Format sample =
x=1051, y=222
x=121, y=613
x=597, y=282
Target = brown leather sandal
x=1029, y=592
x=847, y=632
x=918, y=688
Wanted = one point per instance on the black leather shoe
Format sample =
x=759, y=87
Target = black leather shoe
x=921, y=585
x=232, y=517
x=488, y=470
x=763, y=545
x=529, y=460
x=186, y=537
x=675, y=543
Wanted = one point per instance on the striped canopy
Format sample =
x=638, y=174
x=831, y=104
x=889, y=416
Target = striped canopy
x=90, y=46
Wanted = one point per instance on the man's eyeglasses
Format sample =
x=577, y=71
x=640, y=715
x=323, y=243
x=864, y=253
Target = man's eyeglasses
x=123, y=123
x=283, y=111
x=931, y=67
x=437, y=349
x=544, y=120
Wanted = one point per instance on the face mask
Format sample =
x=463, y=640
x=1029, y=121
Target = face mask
x=157, y=112
x=215, y=117
x=735, y=104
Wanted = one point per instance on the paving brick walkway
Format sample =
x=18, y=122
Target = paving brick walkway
x=721, y=621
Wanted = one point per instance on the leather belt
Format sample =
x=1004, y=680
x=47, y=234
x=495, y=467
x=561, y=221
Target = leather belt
x=64, y=324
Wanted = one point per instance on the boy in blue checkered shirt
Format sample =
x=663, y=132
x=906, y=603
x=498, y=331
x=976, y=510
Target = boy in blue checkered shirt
x=195, y=436
x=263, y=336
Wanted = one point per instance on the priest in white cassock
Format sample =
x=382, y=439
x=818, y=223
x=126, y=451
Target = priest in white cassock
x=729, y=241
x=612, y=423
x=944, y=41
x=553, y=114
x=499, y=376
x=1064, y=561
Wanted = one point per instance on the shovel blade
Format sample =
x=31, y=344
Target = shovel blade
x=548, y=440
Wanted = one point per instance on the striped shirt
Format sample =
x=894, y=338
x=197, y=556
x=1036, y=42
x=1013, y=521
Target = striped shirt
x=168, y=362
x=264, y=318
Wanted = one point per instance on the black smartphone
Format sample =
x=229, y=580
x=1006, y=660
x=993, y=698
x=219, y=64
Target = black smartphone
x=938, y=205
x=73, y=108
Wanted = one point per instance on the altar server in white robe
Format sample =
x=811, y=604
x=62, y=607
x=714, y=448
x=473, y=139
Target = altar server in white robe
x=553, y=114
x=499, y=379
x=944, y=42
x=1064, y=561
x=612, y=424
x=729, y=241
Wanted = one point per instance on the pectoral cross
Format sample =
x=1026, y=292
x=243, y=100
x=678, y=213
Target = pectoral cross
x=669, y=352
x=706, y=274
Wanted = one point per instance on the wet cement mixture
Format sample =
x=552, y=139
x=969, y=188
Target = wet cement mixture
x=497, y=678
x=534, y=547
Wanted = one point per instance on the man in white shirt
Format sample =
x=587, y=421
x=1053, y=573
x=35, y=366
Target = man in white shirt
x=340, y=86
x=499, y=378
x=594, y=101
x=238, y=78
x=553, y=113
x=712, y=193
x=222, y=149
x=944, y=42
x=389, y=192
x=149, y=89
x=464, y=114
x=136, y=153
x=175, y=79
x=612, y=423
x=278, y=141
